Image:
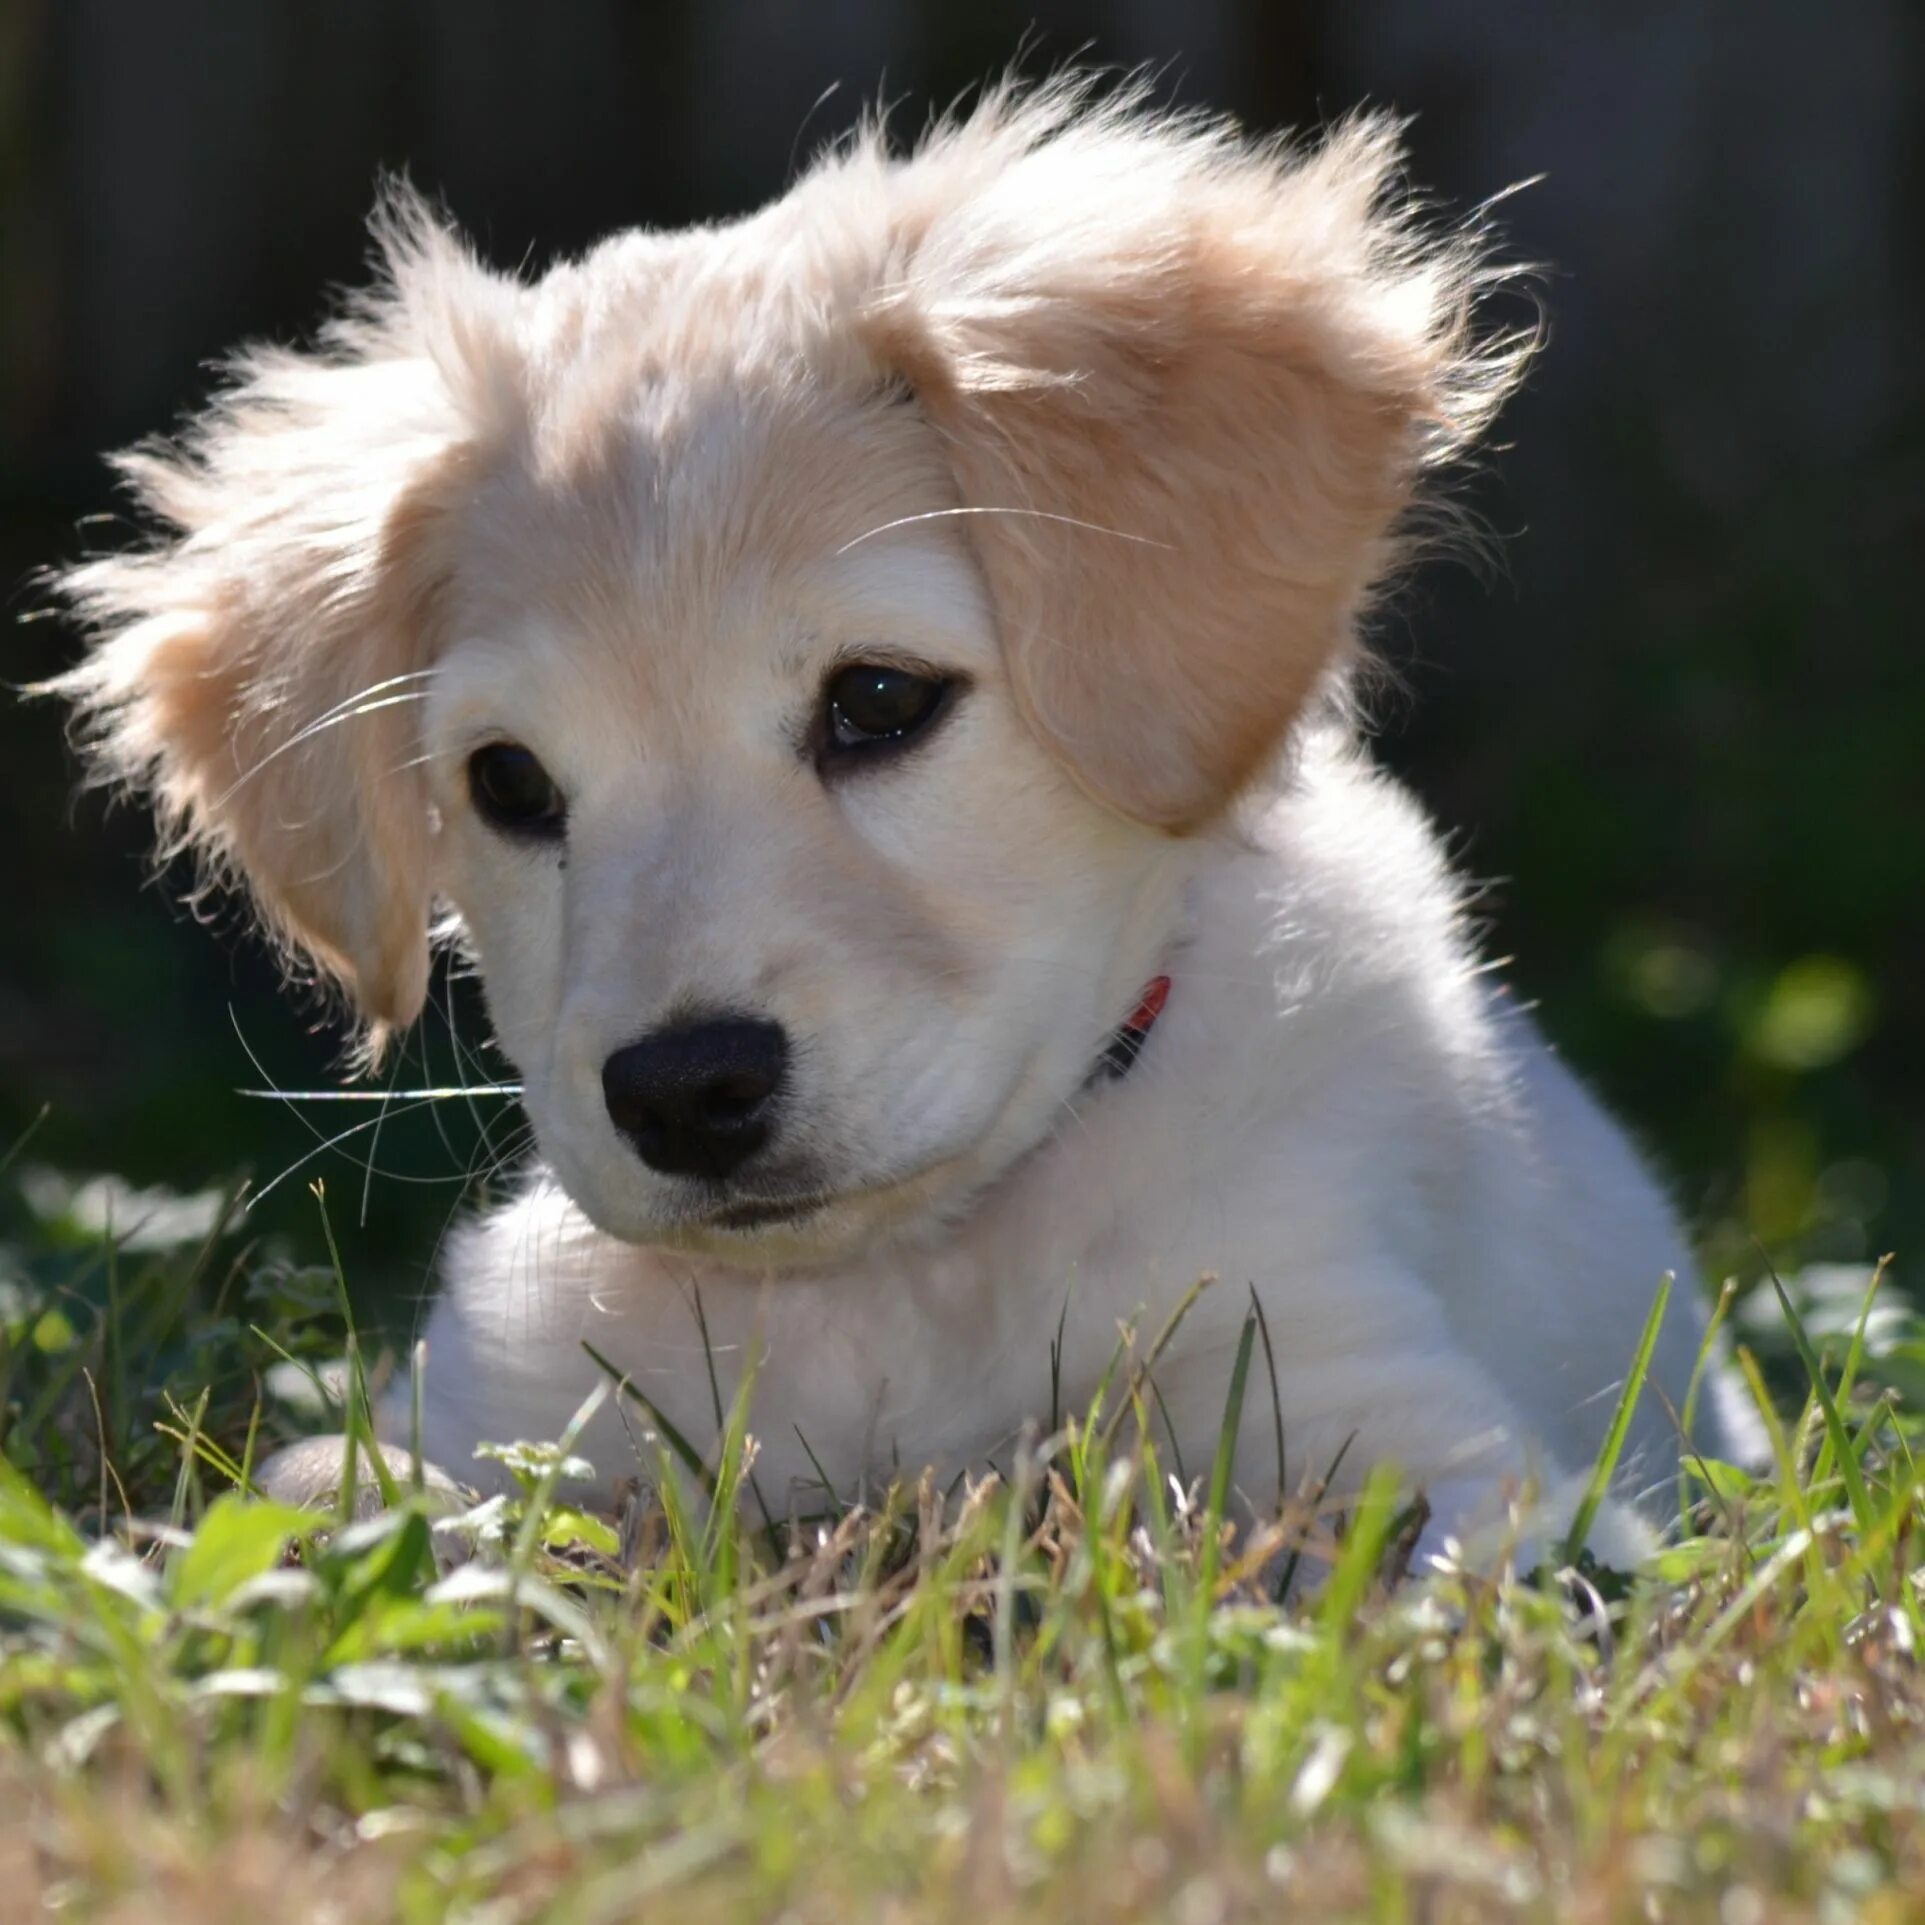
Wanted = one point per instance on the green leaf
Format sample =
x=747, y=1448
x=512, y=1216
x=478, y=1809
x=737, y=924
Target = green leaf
x=389, y=1557
x=397, y=1625
x=564, y=1528
x=239, y=1539
x=27, y=1518
x=495, y=1744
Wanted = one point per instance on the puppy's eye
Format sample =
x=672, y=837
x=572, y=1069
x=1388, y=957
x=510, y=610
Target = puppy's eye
x=872, y=704
x=513, y=792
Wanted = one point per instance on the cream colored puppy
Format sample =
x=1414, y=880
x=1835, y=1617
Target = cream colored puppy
x=866, y=682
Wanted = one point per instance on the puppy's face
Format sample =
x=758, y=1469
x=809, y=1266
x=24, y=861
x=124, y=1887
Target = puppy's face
x=792, y=926
x=804, y=653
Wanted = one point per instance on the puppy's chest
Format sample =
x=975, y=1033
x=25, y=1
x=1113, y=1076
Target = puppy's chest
x=915, y=1355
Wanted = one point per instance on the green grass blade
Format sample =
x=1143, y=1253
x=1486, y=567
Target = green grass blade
x=1171, y=1324
x=1276, y=1395
x=1842, y=1452
x=686, y=1454
x=1223, y=1465
x=1607, y=1458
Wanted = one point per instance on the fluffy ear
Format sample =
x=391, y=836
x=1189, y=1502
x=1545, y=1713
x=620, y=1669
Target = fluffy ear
x=1187, y=386
x=257, y=669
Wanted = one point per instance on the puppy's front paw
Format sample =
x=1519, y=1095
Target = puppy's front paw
x=1476, y=1525
x=1480, y=1526
x=310, y=1474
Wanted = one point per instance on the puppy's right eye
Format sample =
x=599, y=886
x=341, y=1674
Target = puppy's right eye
x=514, y=793
x=877, y=706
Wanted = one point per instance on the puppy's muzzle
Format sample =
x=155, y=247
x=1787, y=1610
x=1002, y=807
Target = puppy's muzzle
x=698, y=1099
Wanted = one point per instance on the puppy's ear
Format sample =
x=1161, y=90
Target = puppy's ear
x=258, y=668
x=1187, y=386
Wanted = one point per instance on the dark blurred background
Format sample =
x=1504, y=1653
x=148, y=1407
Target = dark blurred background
x=1680, y=726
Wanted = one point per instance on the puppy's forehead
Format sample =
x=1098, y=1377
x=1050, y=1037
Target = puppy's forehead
x=689, y=492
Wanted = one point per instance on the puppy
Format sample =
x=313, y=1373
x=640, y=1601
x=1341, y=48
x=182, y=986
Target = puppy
x=866, y=683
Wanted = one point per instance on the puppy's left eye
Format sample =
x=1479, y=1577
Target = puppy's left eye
x=514, y=793
x=872, y=704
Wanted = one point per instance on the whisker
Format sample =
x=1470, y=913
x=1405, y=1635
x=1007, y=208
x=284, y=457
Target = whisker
x=472, y=1176
x=325, y=1143
x=464, y=1058
x=341, y=712
x=1034, y=514
x=377, y=688
x=444, y=1005
x=485, y=1161
x=374, y=1147
x=443, y=1094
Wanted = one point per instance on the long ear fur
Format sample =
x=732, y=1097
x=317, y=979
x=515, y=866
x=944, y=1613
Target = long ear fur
x=256, y=668
x=1188, y=385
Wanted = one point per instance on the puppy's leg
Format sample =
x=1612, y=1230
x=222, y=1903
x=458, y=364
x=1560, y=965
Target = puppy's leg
x=1480, y=1523
x=1475, y=1523
x=309, y=1474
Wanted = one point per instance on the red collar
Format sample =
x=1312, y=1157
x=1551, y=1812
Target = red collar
x=1126, y=1043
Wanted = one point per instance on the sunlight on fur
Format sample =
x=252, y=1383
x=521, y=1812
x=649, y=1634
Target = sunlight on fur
x=825, y=665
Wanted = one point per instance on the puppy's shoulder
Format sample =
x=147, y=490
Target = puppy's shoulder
x=1352, y=872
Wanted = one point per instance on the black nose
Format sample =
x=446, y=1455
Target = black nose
x=696, y=1100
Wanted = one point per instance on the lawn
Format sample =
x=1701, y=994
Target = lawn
x=1062, y=1690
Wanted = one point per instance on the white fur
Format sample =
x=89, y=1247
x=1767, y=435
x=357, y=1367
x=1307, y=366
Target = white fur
x=1454, y=1248
x=1114, y=417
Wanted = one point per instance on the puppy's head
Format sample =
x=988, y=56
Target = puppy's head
x=806, y=655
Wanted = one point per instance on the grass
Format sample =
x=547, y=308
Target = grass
x=1063, y=1693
